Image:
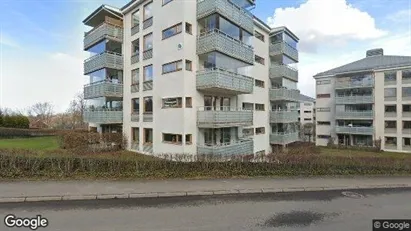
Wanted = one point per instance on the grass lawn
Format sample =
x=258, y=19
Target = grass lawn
x=362, y=153
x=38, y=143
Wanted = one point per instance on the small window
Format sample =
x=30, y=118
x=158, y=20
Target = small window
x=307, y=104
x=189, y=139
x=323, y=82
x=390, y=76
x=259, y=83
x=323, y=137
x=390, y=92
x=259, y=59
x=324, y=123
x=248, y=132
x=406, y=92
x=319, y=96
x=307, y=119
x=307, y=111
x=189, y=65
x=259, y=35
x=148, y=135
x=390, y=108
x=135, y=134
x=135, y=105
x=259, y=107
x=135, y=76
x=172, y=138
x=172, y=67
x=260, y=130
x=171, y=31
x=323, y=109
x=189, y=28
x=173, y=102
x=148, y=105
x=247, y=106
x=406, y=142
x=166, y=1
x=189, y=102
x=148, y=73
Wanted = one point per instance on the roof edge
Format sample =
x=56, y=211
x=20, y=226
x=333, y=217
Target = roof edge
x=114, y=10
x=276, y=29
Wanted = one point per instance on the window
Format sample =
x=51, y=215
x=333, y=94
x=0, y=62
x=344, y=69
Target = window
x=390, y=108
x=135, y=132
x=307, y=111
x=189, y=139
x=406, y=92
x=259, y=59
x=148, y=42
x=248, y=131
x=248, y=106
x=135, y=19
x=307, y=119
x=135, y=105
x=172, y=138
x=166, y=1
x=406, y=124
x=259, y=83
x=390, y=76
x=148, y=73
x=171, y=31
x=406, y=108
x=148, y=11
x=148, y=105
x=323, y=136
x=319, y=96
x=135, y=46
x=189, y=28
x=260, y=130
x=390, y=92
x=406, y=141
x=259, y=107
x=391, y=140
x=259, y=35
x=173, y=102
x=172, y=67
x=406, y=74
x=323, y=82
x=323, y=109
x=324, y=123
x=307, y=104
x=135, y=76
x=148, y=135
x=189, y=102
x=189, y=65
x=390, y=124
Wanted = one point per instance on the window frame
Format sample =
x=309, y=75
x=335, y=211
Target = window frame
x=177, y=140
x=144, y=73
x=179, y=103
x=259, y=81
x=190, y=138
x=144, y=11
x=176, y=27
x=261, y=39
x=190, y=64
x=257, y=58
x=262, y=132
x=171, y=63
x=189, y=99
x=259, y=104
x=190, y=26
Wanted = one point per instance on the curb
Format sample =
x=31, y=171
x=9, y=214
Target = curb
x=190, y=193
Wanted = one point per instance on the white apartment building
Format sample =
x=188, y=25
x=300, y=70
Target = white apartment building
x=306, y=110
x=210, y=78
x=366, y=100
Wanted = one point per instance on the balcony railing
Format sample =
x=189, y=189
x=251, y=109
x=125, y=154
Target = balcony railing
x=208, y=117
x=135, y=29
x=406, y=80
x=147, y=117
x=390, y=114
x=218, y=80
x=354, y=130
x=390, y=146
x=103, y=116
x=406, y=131
x=406, y=98
x=354, y=99
x=283, y=138
x=216, y=40
x=148, y=148
x=241, y=147
x=106, y=59
x=347, y=85
x=354, y=114
x=280, y=48
x=103, y=88
x=390, y=82
x=104, y=31
x=148, y=85
x=283, y=94
x=283, y=116
x=135, y=116
x=390, y=130
x=279, y=71
x=406, y=114
x=228, y=9
x=148, y=54
x=135, y=87
x=147, y=23
x=390, y=98
x=135, y=58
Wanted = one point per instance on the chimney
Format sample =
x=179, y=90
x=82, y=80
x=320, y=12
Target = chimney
x=375, y=52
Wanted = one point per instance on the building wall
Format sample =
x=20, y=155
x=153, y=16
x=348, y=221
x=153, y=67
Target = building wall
x=325, y=116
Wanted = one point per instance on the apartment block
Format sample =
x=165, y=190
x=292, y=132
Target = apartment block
x=306, y=115
x=366, y=100
x=210, y=78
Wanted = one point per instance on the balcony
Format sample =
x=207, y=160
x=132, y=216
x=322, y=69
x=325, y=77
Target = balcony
x=148, y=54
x=104, y=116
x=354, y=99
x=104, y=31
x=354, y=130
x=283, y=94
x=103, y=60
x=226, y=117
x=103, y=89
x=229, y=10
x=241, y=147
x=216, y=80
x=283, y=116
x=148, y=85
x=354, y=114
x=349, y=84
x=216, y=40
x=283, y=138
x=281, y=48
x=279, y=71
x=135, y=58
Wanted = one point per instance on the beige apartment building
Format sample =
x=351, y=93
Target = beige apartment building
x=366, y=100
x=209, y=78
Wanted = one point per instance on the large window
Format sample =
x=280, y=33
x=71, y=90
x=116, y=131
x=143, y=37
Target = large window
x=135, y=19
x=390, y=92
x=148, y=42
x=406, y=92
x=323, y=82
x=148, y=105
x=290, y=41
x=259, y=35
x=148, y=11
x=172, y=138
x=172, y=67
x=148, y=73
x=390, y=124
x=406, y=74
x=135, y=132
x=173, y=102
x=259, y=59
x=171, y=31
x=390, y=76
x=229, y=28
x=135, y=104
x=148, y=135
x=390, y=108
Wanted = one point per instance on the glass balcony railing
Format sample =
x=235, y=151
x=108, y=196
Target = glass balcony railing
x=103, y=116
x=279, y=71
x=208, y=117
x=284, y=94
x=354, y=130
x=106, y=59
x=283, y=116
x=283, y=138
x=104, y=31
x=350, y=84
x=218, y=80
x=281, y=48
x=240, y=147
x=103, y=88
x=354, y=114
x=354, y=99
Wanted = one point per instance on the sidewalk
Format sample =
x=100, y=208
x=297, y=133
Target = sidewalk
x=86, y=190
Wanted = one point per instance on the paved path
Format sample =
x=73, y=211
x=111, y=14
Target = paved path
x=81, y=190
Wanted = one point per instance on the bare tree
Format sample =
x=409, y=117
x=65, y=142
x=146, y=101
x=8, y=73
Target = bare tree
x=42, y=111
x=76, y=110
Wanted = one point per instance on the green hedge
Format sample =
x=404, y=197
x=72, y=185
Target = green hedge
x=25, y=133
x=14, y=121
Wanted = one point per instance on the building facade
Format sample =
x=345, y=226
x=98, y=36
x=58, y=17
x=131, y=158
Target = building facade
x=306, y=115
x=366, y=101
x=210, y=78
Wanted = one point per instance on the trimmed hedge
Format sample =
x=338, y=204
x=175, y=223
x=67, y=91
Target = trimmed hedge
x=14, y=121
x=27, y=133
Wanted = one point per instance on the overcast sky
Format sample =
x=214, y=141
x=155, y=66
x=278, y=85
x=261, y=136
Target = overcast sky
x=41, y=56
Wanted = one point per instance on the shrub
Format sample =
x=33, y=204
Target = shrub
x=15, y=121
x=25, y=133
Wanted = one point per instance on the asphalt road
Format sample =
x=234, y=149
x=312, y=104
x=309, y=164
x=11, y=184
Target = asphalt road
x=332, y=210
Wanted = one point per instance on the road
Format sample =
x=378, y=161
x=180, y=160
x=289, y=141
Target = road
x=327, y=210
